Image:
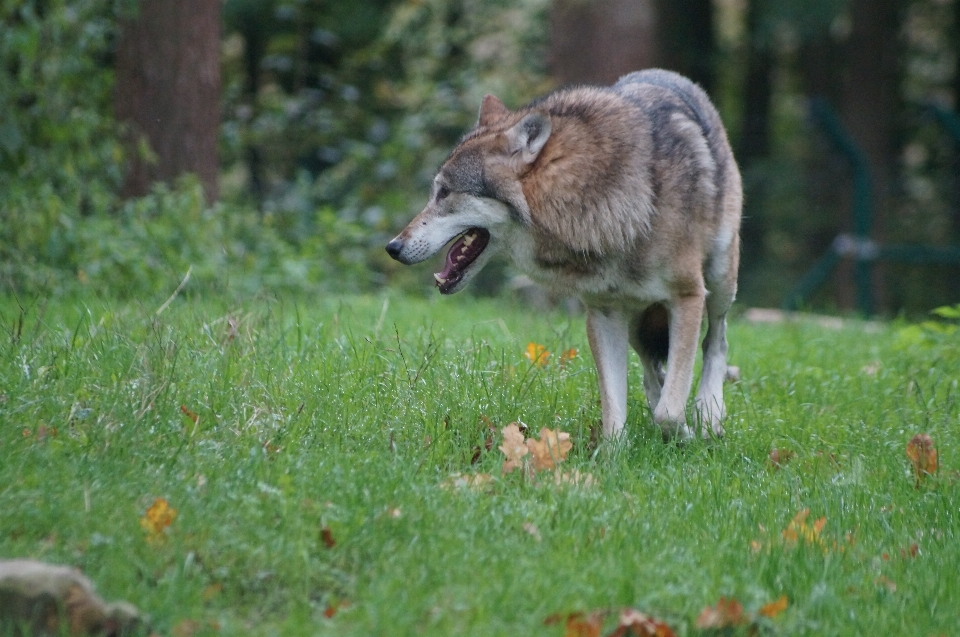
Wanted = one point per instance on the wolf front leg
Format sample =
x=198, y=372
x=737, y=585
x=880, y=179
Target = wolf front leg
x=607, y=333
x=686, y=315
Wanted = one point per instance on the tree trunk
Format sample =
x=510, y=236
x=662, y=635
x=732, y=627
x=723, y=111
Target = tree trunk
x=955, y=185
x=686, y=42
x=871, y=104
x=597, y=42
x=826, y=171
x=754, y=143
x=168, y=91
x=755, y=127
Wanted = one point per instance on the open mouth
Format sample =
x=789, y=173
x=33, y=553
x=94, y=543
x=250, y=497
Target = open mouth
x=464, y=251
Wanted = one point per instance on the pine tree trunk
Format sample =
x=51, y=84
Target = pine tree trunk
x=597, y=42
x=168, y=91
x=686, y=42
x=871, y=104
x=755, y=128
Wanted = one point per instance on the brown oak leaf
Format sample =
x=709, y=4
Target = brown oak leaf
x=633, y=622
x=513, y=447
x=552, y=448
x=579, y=624
x=728, y=613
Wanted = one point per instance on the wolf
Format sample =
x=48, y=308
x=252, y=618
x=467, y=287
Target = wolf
x=627, y=196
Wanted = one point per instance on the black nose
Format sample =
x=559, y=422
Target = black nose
x=394, y=248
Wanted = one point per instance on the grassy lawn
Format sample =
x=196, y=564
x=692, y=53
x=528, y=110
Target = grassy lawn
x=307, y=447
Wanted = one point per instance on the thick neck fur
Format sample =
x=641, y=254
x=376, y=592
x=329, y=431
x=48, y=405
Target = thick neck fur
x=586, y=190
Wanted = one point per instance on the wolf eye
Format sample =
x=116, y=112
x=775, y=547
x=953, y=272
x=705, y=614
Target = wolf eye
x=442, y=193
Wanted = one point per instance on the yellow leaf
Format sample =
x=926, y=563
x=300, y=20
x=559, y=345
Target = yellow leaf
x=158, y=517
x=568, y=356
x=799, y=529
x=550, y=449
x=513, y=447
x=774, y=608
x=537, y=354
x=923, y=456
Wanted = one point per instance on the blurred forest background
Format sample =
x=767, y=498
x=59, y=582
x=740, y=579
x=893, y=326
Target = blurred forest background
x=279, y=144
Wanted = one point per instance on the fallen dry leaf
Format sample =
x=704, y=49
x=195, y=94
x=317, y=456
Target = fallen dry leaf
x=579, y=624
x=326, y=535
x=728, y=613
x=332, y=608
x=911, y=552
x=923, y=456
x=513, y=447
x=774, y=608
x=475, y=481
x=537, y=354
x=887, y=583
x=43, y=431
x=574, y=478
x=780, y=457
x=799, y=529
x=552, y=448
x=568, y=356
x=192, y=415
x=633, y=622
x=157, y=518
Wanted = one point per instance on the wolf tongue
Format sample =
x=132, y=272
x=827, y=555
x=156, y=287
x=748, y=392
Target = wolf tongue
x=450, y=266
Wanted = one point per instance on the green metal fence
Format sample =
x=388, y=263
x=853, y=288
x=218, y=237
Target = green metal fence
x=858, y=245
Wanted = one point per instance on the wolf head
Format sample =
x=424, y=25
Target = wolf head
x=477, y=197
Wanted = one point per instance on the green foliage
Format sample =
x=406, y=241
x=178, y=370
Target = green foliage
x=62, y=223
x=59, y=151
x=353, y=115
x=938, y=338
x=147, y=245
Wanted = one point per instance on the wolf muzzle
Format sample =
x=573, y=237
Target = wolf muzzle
x=394, y=248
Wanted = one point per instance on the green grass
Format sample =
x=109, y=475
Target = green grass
x=336, y=413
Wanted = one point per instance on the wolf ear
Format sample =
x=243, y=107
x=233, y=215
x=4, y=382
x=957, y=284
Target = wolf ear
x=491, y=109
x=529, y=135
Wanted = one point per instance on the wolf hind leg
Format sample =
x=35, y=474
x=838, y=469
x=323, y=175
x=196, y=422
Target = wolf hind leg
x=710, y=408
x=650, y=338
x=686, y=315
x=709, y=403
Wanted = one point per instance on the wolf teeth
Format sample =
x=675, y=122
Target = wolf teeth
x=439, y=278
x=467, y=240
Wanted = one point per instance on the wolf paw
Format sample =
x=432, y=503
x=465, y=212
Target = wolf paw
x=675, y=431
